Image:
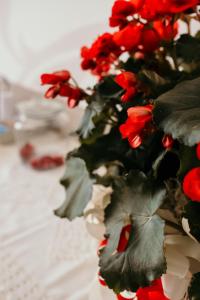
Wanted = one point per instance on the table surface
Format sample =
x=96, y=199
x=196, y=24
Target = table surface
x=42, y=257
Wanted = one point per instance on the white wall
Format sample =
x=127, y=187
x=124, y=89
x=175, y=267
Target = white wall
x=41, y=35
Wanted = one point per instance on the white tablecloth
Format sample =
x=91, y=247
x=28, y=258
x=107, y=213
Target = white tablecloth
x=42, y=257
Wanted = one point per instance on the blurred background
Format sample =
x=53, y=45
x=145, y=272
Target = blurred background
x=42, y=35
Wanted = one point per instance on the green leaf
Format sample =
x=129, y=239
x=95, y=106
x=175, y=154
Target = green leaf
x=112, y=147
x=194, y=289
x=78, y=186
x=135, y=200
x=188, y=48
x=93, y=110
x=177, y=112
x=108, y=88
x=192, y=213
x=188, y=159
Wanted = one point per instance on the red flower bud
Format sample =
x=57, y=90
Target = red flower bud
x=191, y=184
x=167, y=141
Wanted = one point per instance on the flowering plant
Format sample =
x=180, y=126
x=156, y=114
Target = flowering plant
x=142, y=124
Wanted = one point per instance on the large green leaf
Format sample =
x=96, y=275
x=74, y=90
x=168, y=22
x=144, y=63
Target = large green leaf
x=135, y=200
x=177, y=112
x=78, y=186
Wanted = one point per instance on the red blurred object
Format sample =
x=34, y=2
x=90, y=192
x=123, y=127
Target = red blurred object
x=27, y=151
x=47, y=162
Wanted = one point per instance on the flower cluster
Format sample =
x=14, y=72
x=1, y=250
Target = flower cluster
x=61, y=86
x=142, y=125
x=99, y=57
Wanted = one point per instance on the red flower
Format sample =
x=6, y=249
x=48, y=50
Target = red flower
x=61, y=86
x=198, y=151
x=120, y=11
x=153, y=292
x=167, y=141
x=129, y=37
x=127, y=80
x=56, y=77
x=100, y=55
x=150, y=40
x=138, y=119
x=165, y=29
x=191, y=184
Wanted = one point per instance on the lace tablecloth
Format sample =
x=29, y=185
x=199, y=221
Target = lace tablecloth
x=42, y=257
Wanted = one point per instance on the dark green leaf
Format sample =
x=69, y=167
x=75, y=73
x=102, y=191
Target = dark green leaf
x=78, y=186
x=188, y=48
x=112, y=147
x=194, y=289
x=135, y=200
x=188, y=159
x=192, y=213
x=93, y=110
x=108, y=88
x=177, y=112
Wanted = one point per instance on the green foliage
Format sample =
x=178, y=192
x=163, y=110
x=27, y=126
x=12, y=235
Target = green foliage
x=188, y=48
x=194, y=290
x=135, y=200
x=177, y=112
x=78, y=187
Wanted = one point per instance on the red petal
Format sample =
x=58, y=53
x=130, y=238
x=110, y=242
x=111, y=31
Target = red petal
x=135, y=141
x=64, y=75
x=129, y=37
x=101, y=280
x=126, y=80
x=129, y=95
x=150, y=40
x=167, y=141
x=191, y=184
x=72, y=103
x=52, y=92
x=124, y=238
x=65, y=90
x=55, y=77
x=124, y=8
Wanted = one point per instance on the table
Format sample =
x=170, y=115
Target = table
x=42, y=257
